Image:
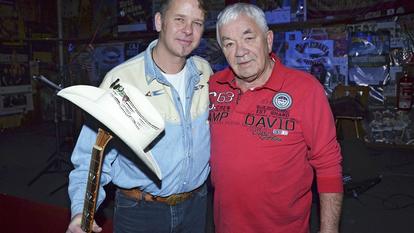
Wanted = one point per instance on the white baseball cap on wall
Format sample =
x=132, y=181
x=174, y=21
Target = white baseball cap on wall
x=125, y=111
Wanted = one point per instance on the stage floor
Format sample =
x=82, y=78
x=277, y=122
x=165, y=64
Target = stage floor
x=42, y=201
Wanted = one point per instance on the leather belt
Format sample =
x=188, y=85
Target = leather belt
x=171, y=200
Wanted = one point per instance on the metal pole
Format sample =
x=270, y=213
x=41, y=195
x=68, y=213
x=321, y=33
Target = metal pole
x=60, y=34
x=61, y=75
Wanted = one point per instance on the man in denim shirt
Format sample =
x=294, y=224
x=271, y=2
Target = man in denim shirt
x=176, y=85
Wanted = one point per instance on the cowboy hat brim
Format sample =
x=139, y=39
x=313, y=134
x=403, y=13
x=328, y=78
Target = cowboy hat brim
x=101, y=105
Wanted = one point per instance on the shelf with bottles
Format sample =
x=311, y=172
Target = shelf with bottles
x=387, y=125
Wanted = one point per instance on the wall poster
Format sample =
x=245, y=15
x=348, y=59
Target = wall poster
x=15, y=82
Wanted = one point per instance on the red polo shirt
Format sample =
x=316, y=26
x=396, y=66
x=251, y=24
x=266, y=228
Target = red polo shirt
x=266, y=145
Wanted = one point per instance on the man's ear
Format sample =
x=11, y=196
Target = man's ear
x=269, y=40
x=158, y=21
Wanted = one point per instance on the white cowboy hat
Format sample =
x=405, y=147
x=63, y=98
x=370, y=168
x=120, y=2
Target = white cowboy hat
x=125, y=111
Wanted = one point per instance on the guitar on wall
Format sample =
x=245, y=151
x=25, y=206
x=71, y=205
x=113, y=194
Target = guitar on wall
x=92, y=188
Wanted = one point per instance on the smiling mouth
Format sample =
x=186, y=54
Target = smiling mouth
x=184, y=42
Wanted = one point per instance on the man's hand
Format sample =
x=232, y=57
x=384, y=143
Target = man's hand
x=75, y=225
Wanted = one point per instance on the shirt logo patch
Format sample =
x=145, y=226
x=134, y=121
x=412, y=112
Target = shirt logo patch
x=155, y=93
x=280, y=132
x=282, y=101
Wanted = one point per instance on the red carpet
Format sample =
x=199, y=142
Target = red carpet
x=22, y=216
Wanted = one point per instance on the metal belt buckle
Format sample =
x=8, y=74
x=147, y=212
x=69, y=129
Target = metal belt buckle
x=175, y=199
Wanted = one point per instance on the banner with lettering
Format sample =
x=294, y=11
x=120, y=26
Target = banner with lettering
x=134, y=15
x=319, y=53
x=361, y=9
x=303, y=53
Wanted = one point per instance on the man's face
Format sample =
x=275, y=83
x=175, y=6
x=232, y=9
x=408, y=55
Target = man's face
x=246, y=48
x=181, y=27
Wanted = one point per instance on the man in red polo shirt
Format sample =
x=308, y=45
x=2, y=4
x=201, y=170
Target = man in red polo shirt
x=271, y=129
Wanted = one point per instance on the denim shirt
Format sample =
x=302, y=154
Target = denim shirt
x=182, y=151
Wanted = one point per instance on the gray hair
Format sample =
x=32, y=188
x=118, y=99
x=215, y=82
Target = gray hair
x=231, y=12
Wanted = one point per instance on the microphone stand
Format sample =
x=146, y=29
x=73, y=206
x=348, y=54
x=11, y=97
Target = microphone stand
x=51, y=84
x=56, y=159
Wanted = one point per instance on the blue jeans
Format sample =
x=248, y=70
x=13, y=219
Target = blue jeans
x=132, y=216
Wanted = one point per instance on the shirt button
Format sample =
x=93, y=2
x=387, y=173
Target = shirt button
x=184, y=183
